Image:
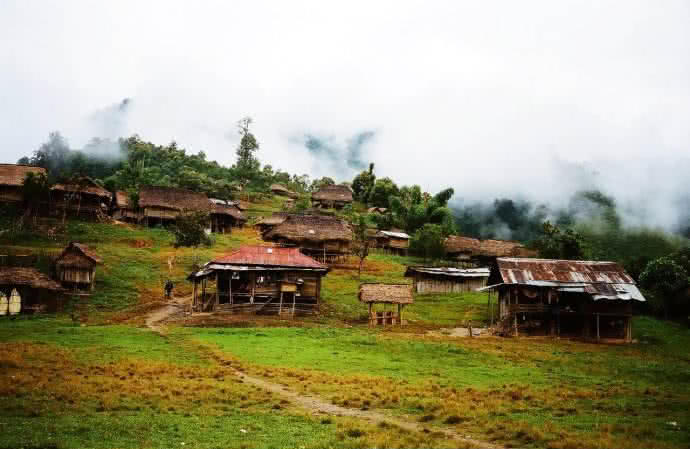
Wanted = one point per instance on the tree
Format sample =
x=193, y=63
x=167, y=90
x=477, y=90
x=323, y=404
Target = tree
x=247, y=163
x=428, y=241
x=190, y=229
x=666, y=279
x=318, y=183
x=384, y=189
x=35, y=190
x=360, y=240
x=363, y=184
x=412, y=209
x=555, y=243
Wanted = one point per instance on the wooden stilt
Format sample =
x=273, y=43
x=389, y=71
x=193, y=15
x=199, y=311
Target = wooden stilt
x=293, y=303
x=598, y=336
x=371, y=318
x=399, y=320
x=515, y=320
x=217, y=300
x=194, y=295
x=230, y=288
x=280, y=309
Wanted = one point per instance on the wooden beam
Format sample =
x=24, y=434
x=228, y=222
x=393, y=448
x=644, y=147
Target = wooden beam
x=230, y=288
x=598, y=336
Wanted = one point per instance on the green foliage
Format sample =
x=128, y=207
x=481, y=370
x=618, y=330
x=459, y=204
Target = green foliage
x=428, y=242
x=35, y=190
x=555, y=243
x=302, y=204
x=247, y=164
x=666, y=278
x=318, y=183
x=384, y=189
x=363, y=184
x=190, y=229
x=412, y=210
x=360, y=239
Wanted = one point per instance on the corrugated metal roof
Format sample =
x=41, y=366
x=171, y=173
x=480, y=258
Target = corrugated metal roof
x=268, y=257
x=396, y=235
x=450, y=271
x=602, y=280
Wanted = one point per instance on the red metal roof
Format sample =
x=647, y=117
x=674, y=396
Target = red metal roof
x=521, y=271
x=269, y=256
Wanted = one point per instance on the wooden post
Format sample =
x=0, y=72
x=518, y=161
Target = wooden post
x=194, y=295
x=399, y=314
x=230, y=288
x=370, y=317
x=217, y=300
x=203, y=291
x=469, y=325
x=515, y=320
x=598, y=337
x=253, y=276
x=280, y=309
x=294, y=298
x=93, y=278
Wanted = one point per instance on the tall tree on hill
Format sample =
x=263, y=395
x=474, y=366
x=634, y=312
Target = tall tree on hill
x=35, y=190
x=363, y=184
x=360, y=240
x=247, y=163
x=412, y=211
x=384, y=189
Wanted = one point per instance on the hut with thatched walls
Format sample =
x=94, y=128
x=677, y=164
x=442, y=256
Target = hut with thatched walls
x=396, y=242
x=259, y=279
x=12, y=180
x=332, y=196
x=461, y=248
x=267, y=223
x=162, y=205
x=575, y=298
x=27, y=290
x=447, y=279
x=75, y=267
x=225, y=216
x=80, y=197
x=325, y=238
x=123, y=209
x=399, y=295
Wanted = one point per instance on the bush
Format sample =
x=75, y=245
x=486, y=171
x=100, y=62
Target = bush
x=190, y=230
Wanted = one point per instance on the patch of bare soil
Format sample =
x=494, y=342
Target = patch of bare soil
x=459, y=332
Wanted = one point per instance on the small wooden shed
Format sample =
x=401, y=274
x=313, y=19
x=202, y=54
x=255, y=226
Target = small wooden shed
x=225, y=215
x=447, y=279
x=123, y=209
x=398, y=294
x=80, y=197
x=12, y=180
x=396, y=242
x=27, y=290
x=75, y=267
x=324, y=238
x=162, y=205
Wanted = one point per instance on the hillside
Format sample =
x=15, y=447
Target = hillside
x=248, y=381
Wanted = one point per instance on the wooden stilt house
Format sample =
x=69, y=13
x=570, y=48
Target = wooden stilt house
x=574, y=298
x=12, y=179
x=332, y=196
x=325, y=238
x=398, y=295
x=80, y=197
x=27, y=290
x=225, y=216
x=161, y=205
x=123, y=209
x=75, y=267
x=396, y=242
x=259, y=279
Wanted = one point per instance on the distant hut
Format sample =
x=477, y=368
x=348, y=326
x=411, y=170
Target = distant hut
x=325, y=238
x=225, y=215
x=377, y=210
x=123, y=209
x=80, y=197
x=398, y=294
x=162, y=205
x=12, y=180
x=260, y=279
x=467, y=249
x=447, y=279
x=396, y=242
x=332, y=196
x=267, y=223
x=27, y=290
x=289, y=204
x=76, y=267
x=281, y=190
x=577, y=298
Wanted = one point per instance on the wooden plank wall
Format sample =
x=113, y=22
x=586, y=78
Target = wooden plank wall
x=431, y=285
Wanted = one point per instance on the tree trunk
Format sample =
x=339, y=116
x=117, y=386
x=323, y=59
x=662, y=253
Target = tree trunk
x=359, y=273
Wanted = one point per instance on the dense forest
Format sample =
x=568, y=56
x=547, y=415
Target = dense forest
x=590, y=227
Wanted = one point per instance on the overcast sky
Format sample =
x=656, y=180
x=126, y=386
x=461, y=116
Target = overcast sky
x=531, y=98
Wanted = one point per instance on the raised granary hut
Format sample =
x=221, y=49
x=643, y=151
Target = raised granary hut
x=332, y=197
x=225, y=215
x=325, y=238
x=12, y=180
x=259, y=279
x=80, y=197
x=396, y=242
x=447, y=279
x=123, y=209
x=162, y=205
x=574, y=298
x=27, y=290
x=75, y=267
x=398, y=295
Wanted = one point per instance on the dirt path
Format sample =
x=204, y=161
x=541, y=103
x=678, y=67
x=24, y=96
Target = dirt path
x=155, y=320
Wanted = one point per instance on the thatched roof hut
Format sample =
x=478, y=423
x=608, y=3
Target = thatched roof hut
x=123, y=209
x=76, y=266
x=81, y=196
x=83, y=185
x=399, y=294
x=11, y=180
x=335, y=196
x=164, y=204
x=466, y=248
x=27, y=277
x=386, y=293
x=225, y=215
x=268, y=223
x=317, y=235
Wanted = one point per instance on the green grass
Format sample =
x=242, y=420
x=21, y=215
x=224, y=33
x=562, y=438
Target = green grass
x=450, y=309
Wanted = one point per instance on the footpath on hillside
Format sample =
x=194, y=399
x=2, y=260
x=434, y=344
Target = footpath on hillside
x=156, y=319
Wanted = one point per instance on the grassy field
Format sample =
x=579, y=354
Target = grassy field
x=114, y=383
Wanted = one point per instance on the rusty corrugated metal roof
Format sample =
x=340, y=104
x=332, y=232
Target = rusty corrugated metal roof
x=268, y=257
x=522, y=271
